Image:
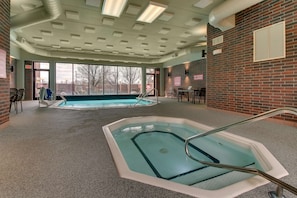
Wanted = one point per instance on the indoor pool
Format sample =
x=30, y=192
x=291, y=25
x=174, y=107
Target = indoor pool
x=152, y=150
x=97, y=104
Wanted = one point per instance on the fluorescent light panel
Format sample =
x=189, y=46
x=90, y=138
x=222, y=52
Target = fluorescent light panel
x=113, y=7
x=152, y=11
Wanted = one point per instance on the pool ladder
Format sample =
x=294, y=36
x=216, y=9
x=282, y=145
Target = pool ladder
x=141, y=96
x=63, y=98
x=280, y=184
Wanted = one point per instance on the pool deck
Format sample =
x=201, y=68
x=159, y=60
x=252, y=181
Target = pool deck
x=48, y=152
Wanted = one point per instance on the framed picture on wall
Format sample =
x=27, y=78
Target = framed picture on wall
x=177, y=81
x=2, y=63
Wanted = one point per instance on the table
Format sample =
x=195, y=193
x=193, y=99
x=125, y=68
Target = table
x=181, y=92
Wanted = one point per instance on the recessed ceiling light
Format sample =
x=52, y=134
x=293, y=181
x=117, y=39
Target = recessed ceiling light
x=166, y=16
x=56, y=46
x=181, y=42
x=108, y=21
x=75, y=36
x=141, y=37
x=58, y=25
x=128, y=48
x=144, y=44
x=133, y=9
x=109, y=46
x=152, y=11
x=46, y=33
x=123, y=42
x=164, y=31
x=97, y=50
x=100, y=39
x=203, y=3
x=185, y=35
x=193, y=21
x=88, y=44
x=113, y=7
x=72, y=15
x=37, y=38
x=115, y=52
x=117, y=34
x=138, y=26
x=89, y=30
x=77, y=48
x=163, y=40
x=162, y=46
x=64, y=41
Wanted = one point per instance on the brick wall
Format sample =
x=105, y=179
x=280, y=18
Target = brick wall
x=235, y=82
x=4, y=44
x=195, y=68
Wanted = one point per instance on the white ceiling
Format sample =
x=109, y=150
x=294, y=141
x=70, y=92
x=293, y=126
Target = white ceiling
x=80, y=30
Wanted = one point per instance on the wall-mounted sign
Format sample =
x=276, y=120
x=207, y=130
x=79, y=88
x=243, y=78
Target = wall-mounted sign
x=177, y=81
x=2, y=63
x=198, y=77
x=28, y=66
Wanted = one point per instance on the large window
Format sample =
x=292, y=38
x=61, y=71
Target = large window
x=81, y=79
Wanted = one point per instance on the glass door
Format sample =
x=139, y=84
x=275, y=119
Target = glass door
x=150, y=81
x=41, y=78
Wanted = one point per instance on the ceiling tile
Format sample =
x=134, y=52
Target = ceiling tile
x=94, y=3
x=193, y=22
x=141, y=37
x=89, y=29
x=58, y=25
x=123, y=42
x=164, y=31
x=133, y=9
x=100, y=39
x=37, y=38
x=62, y=41
x=46, y=33
x=166, y=16
x=75, y=36
x=88, y=44
x=72, y=14
x=117, y=34
x=107, y=21
x=203, y=3
x=163, y=40
x=138, y=26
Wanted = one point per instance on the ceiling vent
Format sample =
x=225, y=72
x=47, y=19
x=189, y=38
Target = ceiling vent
x=72, y=15
x=166, y=16
x=108, y=21
x=203, y=3
x=138, y=26
x=133, y=9
x=94, y=3
x=193, y=22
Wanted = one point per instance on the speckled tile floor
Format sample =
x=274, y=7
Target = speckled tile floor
x=47, y=152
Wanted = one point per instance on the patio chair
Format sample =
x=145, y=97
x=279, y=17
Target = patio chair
x=19, y=99
x=13, y=97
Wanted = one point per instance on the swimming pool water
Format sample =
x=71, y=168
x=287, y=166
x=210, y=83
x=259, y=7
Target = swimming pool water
x=150, y=149
x=157, y=149
x=105, y=103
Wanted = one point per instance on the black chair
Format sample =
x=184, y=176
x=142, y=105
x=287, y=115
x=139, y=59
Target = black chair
x=195, y=95
x=180, y=94
x=13, y=97
x=202, y=93
x=19, y=99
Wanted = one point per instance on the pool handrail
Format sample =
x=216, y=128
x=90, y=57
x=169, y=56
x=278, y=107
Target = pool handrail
x=145, y=94
x=280, y=184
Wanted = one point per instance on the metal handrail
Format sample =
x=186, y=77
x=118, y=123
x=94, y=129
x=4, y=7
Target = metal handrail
x=280, y=184
x=63, y=98
x=143, y=95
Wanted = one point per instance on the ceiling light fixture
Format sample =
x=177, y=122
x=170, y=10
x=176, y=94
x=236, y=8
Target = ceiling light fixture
x=152, y=11
x=113, y=7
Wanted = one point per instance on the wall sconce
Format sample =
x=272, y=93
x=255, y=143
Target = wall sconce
x=169, y=74
x=186, y=71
